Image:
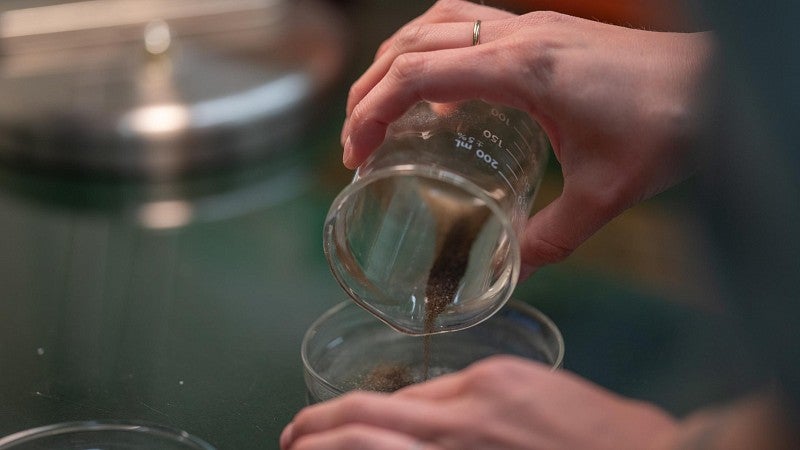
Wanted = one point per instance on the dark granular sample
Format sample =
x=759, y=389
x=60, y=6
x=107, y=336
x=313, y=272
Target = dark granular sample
x=444, y=278
x=387, y=377
x=447, y=271
x=458, y=225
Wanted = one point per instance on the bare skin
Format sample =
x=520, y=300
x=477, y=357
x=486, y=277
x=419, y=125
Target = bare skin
x=500, y=403
x=510, y=403
x=617, y=103
x=619, y=106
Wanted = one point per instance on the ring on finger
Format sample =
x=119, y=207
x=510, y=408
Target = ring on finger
x=476, y=32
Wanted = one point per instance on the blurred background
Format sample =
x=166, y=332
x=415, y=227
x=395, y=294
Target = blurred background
x=165, y=170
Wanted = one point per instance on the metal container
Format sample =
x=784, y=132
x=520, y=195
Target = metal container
x=161, y=88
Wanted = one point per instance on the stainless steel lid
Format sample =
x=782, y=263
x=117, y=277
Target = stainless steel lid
x=162, y=87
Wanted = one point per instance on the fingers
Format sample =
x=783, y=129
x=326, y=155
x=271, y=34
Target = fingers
x=558, y=229
x=436, y=76
x=417, y=39
x=458, y=385
x=410, y=417
x=414, y=39
x=411, y=39
x=444, y=26
x=355, y=436
x=448, y=11
x=441, y=387
x=447, y=24
x=420, y=415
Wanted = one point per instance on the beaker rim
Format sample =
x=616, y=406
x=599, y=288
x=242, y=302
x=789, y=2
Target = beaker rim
x=548, y=327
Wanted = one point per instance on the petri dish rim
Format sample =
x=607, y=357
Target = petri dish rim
x=548, y=326
x=65, y=428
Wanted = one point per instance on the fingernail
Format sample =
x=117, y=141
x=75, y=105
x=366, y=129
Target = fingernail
x=348, y=152
x=286, y=436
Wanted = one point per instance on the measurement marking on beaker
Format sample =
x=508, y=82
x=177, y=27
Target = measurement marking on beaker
x=527, y=128
x=522, y=136
x=506, y=179
x=464, y=141
x=517, y=176
x=521, y=151
x=516, y=161
x=511, y=169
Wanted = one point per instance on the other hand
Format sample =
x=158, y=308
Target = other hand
x=500, y=403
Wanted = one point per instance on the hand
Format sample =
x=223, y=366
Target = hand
x=618, y=104
x=500, y=403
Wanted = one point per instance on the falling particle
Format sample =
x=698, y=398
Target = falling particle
x=40, y=351
x=180, y=382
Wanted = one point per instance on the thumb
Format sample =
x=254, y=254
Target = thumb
x=558, y=229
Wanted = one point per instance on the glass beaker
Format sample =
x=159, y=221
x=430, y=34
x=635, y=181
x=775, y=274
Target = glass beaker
x=347, y=349
x=425, y=236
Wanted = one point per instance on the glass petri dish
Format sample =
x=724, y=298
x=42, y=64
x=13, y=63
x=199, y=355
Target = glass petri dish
x=347, y=348
x=103, y=435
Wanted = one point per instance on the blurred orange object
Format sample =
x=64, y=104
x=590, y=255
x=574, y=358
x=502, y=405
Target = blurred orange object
x=648, y=14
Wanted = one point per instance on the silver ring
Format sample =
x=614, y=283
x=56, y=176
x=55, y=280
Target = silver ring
x=476, y=32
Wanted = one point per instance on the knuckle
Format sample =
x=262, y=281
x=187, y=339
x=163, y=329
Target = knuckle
x=488, y=372
x=357, y=116
x=355, y=403
x=407, y=67
x=448, y=8
x=355, y=94
x=544, y=17
x=411, y=35
x=354, y=90
x=501, y=365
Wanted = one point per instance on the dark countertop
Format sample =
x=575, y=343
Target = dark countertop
x=197, y=327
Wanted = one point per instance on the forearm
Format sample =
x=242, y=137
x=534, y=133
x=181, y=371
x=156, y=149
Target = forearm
x=754, y=422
